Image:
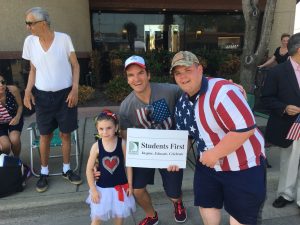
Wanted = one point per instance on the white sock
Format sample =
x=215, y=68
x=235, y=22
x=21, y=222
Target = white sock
x=66, y=167
x=44, y=170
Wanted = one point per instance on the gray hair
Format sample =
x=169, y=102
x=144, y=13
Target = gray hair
x=39, y=14
x=293, y=44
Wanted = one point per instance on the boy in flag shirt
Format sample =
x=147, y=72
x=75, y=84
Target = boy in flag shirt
x=230, y=170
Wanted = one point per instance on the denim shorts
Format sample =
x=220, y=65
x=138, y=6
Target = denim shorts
x=241, y=192
x=52, y=111
x=172, y=181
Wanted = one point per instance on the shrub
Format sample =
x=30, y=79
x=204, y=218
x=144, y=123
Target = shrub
x=85, y=93
x=230, y=67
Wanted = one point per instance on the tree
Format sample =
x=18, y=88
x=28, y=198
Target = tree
x=253, y=53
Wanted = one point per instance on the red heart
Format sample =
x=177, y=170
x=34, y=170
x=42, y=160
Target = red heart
x=110, y=163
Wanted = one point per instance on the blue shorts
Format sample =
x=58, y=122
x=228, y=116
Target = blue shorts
x=52, y=111
x=5, y=128
x=241, y=192
x=172, y=181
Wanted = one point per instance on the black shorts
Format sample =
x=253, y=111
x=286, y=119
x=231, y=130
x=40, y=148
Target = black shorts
x=241, y=192
x=5, y=128
x=52, y=111
x=172, y=181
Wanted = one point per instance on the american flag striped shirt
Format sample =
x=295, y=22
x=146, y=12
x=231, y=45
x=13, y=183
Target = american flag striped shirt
x=4, y=115
x=219, y=109
x=160, y=116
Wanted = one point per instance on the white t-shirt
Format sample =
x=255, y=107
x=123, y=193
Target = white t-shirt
x=53, y=67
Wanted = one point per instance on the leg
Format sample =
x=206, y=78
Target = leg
x=66, y=150
x=5, y=145
x=45, y=148
x=144, y=200
x=297, y=145
x=172, y=182
x=66, y=146
x=289, y=165
x=42, y=183
x=96, y=222
x=208, y=192
x=210, y=216
x=15, y=139
x=118, y=221
x=233, y=221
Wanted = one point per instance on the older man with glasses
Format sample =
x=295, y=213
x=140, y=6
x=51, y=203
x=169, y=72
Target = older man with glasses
x=54, y=72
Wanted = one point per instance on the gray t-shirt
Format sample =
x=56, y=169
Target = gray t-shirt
x=134, y=113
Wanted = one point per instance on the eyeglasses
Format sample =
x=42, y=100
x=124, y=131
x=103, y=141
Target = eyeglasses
x=32, y=23
x=3, y=82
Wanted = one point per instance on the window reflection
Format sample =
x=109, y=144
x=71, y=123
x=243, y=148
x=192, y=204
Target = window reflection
x=171, y=32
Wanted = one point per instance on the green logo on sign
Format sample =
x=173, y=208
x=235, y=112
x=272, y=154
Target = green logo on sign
x=133, y=147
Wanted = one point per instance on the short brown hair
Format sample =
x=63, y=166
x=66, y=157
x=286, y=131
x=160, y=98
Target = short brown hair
x=284, y=35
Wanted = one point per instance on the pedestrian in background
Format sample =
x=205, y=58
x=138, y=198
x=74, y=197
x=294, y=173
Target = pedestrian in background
x=281, y=95
x=281, y=53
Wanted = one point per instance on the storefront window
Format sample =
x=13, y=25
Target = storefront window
x=173, y=32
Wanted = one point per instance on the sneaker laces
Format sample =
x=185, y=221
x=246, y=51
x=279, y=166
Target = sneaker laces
x=147, y=219
x=179, y=207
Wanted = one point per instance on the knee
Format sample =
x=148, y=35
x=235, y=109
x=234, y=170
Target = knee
x=138, y=193
x=15, y=140
x=65, y=136
x=5, y=147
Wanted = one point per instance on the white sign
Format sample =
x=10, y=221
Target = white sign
x=150, y=148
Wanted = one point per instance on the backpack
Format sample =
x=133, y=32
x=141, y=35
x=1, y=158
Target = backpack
x=12, y=175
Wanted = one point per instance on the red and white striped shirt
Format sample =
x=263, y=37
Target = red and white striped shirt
x=220, y=109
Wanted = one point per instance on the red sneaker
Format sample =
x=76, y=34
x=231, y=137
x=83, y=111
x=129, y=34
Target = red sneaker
x=150, y=220
x=179, y=212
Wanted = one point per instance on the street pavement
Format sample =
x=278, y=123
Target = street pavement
x=64, y=203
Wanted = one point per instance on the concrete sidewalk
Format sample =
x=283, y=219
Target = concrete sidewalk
x=61, y=192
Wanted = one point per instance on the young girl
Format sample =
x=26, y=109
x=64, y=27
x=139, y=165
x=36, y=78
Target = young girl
x=111, y=195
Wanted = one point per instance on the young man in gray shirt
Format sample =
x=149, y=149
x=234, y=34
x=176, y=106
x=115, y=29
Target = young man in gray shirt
x=151, y=106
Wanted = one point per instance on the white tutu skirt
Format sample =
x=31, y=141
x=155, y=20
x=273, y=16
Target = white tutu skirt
x=110, y=206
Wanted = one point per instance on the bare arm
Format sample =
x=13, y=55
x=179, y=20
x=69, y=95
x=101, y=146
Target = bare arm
x=124, y=134
x=72, y=98
x=268, y=62
x=230, y=143
x=129, y=172
x=16, y=93
x=28, y=98
x=90, y=173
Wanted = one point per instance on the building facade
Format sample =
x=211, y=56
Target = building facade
x=137, y=25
